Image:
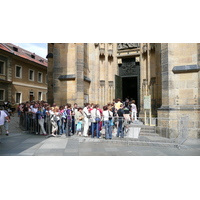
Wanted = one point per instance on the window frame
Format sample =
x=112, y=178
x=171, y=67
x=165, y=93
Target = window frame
x=20, y=100
x=3, y=94
x=41, y=77
x=29, y=75
x=16, y=71
x=41, y=96
x=4, y=69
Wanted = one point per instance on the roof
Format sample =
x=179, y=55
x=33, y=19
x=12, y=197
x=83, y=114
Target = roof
x=18, y=51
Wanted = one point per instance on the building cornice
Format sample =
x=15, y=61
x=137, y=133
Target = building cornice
x=29, y=85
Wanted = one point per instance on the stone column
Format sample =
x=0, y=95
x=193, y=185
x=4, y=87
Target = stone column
x=80, y=73
x=180, y=79
x=50, y=74
x=57, y=72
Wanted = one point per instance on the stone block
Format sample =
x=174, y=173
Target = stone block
x=185, y=93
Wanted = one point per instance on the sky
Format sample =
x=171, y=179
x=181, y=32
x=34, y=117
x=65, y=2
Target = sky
x=38, y=48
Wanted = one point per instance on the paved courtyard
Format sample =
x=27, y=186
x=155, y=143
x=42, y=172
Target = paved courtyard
x=20, y=143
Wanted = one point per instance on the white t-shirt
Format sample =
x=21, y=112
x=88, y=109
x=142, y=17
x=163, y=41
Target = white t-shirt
x=106, y=115
x=95, y=113
x=2, y=117
x=133, y=108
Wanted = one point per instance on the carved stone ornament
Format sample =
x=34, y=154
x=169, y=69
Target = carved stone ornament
x=102, y=49
x=122, y=46
x=144, y=48
x=102, y=83
x=110, y=49
x=96, y=44
x=128, y=68
x=110, y=83
x=152, y=45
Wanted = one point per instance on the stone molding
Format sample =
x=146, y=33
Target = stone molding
x=67, y=77
x=87, y=79
x=186, y=69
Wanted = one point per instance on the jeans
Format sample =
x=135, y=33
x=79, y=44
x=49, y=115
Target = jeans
x=73, y=125
x=108, y=129
x=68, y=127
x=120, y=128
x=63, y=126
x=41, y=124
x=6, y=125
x=59, y=127
x=95, y=126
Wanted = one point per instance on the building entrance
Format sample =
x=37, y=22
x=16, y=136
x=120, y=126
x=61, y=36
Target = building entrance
x=130, y=88
x=127, y=83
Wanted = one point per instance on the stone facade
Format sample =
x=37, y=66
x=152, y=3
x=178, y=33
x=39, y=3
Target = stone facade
x=101, y=72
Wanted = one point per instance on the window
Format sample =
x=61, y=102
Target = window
x=40, y=77
x=2, y=95
x=31, y=75
x=39, y=96
x=18, y=98
x=18, y=71
x=2, y=67
x=15, y=49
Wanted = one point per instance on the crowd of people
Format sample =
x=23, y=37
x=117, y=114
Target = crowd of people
x=89, y=120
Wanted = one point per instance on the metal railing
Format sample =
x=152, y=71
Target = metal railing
x=161, y=131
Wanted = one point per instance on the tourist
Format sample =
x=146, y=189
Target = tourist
x=107, y=118
x=101, y=113
x=87, y=116
x=41, y=115
x=3, y=117
x=133, y=110
x=53, y=122
x=79, y=121
x=120, y=115
x=62, y=119
x=74, y=110
x=68, y=114
x=96, y=118
x=117, y=105
x=57, y=119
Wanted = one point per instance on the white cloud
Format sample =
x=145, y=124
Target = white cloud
x=37, y=48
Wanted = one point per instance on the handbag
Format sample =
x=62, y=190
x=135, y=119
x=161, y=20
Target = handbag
x=110, y=117
x=88, y=116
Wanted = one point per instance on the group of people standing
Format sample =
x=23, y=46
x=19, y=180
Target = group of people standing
x=89, y=120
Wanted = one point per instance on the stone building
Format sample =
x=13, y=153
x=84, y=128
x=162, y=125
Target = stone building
x=100, y=72
x=23, y=75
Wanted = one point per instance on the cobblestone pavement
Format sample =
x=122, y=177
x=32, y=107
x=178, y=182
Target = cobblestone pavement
x=20, y=143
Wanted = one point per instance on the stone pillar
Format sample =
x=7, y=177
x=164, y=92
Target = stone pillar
x=57, y=72
x=80, y=73
x=180, y=79
x=50, y=98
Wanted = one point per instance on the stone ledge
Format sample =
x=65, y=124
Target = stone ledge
x=67, y=77
x=87, y=79
x=186, y=69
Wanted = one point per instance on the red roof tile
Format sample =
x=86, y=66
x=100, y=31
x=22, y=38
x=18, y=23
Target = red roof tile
x=23, y=53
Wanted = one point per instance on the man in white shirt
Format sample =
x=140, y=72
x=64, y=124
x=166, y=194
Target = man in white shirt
x=86, y=119
x=3, y=117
